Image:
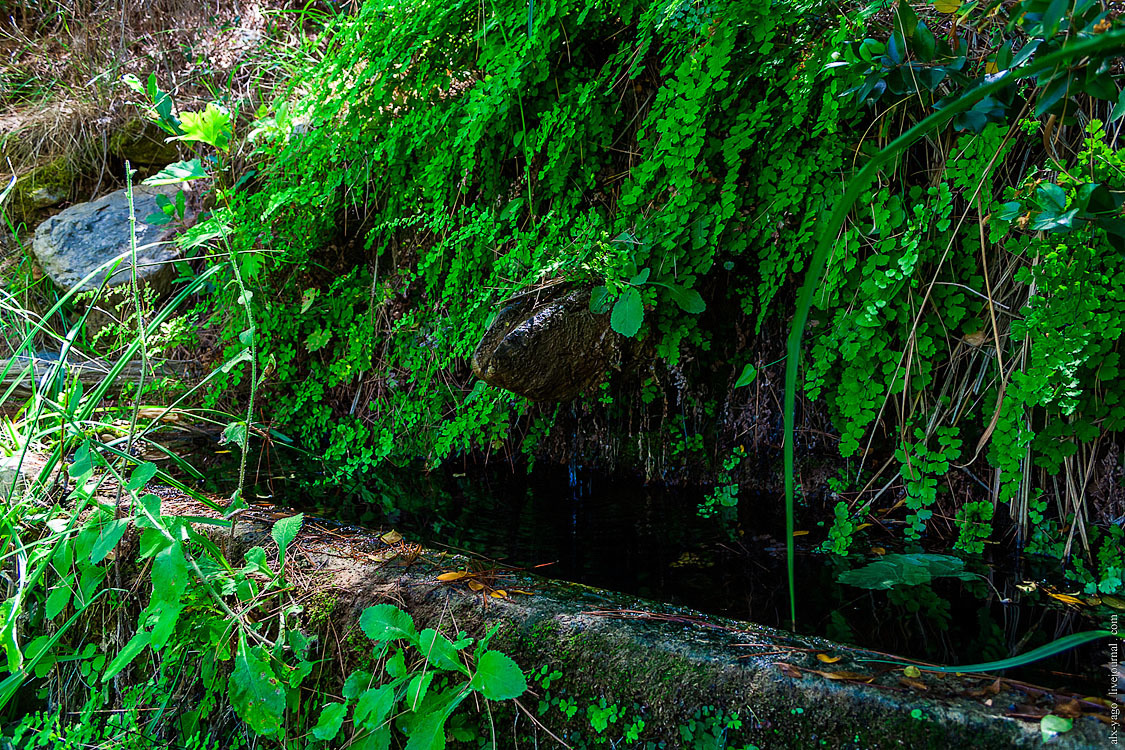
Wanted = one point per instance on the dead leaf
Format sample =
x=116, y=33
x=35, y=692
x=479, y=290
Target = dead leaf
x=476, y=585
x=499, y=594
x=455, y=575
x=1072, y=709
x=1104, y=702
x=1066, y=598
x=846, y=676
x=828, y=659
x=1113, y=601
x=913, y=684
x=878, y=551
x=947, y=6
x=391, y=537
x=521, y=591
x=800, y=533
x=862, y=526
x=157, y=412
x=789, y=670
x=976, y=338
x=912, y=671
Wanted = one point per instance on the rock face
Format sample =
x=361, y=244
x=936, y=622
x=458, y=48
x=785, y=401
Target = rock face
x=547, y=347
x=71, y=244
x=142, y=143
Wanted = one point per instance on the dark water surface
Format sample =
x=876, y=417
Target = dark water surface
x=620, y=534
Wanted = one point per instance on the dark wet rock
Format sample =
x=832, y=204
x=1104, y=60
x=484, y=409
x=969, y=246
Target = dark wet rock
x=71, y=244
x=547, y=346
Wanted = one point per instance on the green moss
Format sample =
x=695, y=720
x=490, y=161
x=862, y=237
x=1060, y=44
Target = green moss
x=141, y=143
x=319, y=607
x=40, y=188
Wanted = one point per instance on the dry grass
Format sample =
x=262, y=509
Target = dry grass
x=61, y=63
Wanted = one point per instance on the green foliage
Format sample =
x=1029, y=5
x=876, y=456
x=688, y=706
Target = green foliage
x=225, y=637
x=494, y=161
x=886, y=288
x=429, y=676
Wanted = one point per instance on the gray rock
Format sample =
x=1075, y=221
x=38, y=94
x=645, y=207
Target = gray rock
x=71, y=244
x=547, y=347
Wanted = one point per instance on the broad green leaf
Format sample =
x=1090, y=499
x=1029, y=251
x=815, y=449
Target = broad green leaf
x=83, y=466
x=749, y=372
x=924, y=42
x=235, y=433
x=152, y=542
x=641, y=277
x=1051, y=725
x=211, y=126
x=256, y=561
x=256, y=694
x=170, y=573
x=141, y=476
x=308, y=298
x=134, y=83
x=689, y=300
x=1053, y=16
x=181, y=171
x=298, y=674
x=428, y=733
x=498, y=677
x=386, y=622
x=357, y=682
x=1119, y=108
x=599, y=300
x=396, y=664
x=1052, y=197
x=416, y=689
x=59, y=597
x=318, y=339
x=167, y=615
x=9, y=613
x=374, y=706
x=1052, y=93
x=380, y=739
x=330, y=721
x=150, y=507
x=628, y=313
x=285, y=530
x=89, y=582
x=124, y=658
x=108, y=538
x=439, y=651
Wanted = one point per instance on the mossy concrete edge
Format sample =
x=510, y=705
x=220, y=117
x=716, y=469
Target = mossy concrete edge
x=671, y=660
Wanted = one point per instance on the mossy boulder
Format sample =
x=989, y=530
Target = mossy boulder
x=547, y=346
x=142, y=144
x=39, y=189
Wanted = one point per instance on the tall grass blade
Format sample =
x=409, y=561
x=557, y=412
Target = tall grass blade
x=1036, y=654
